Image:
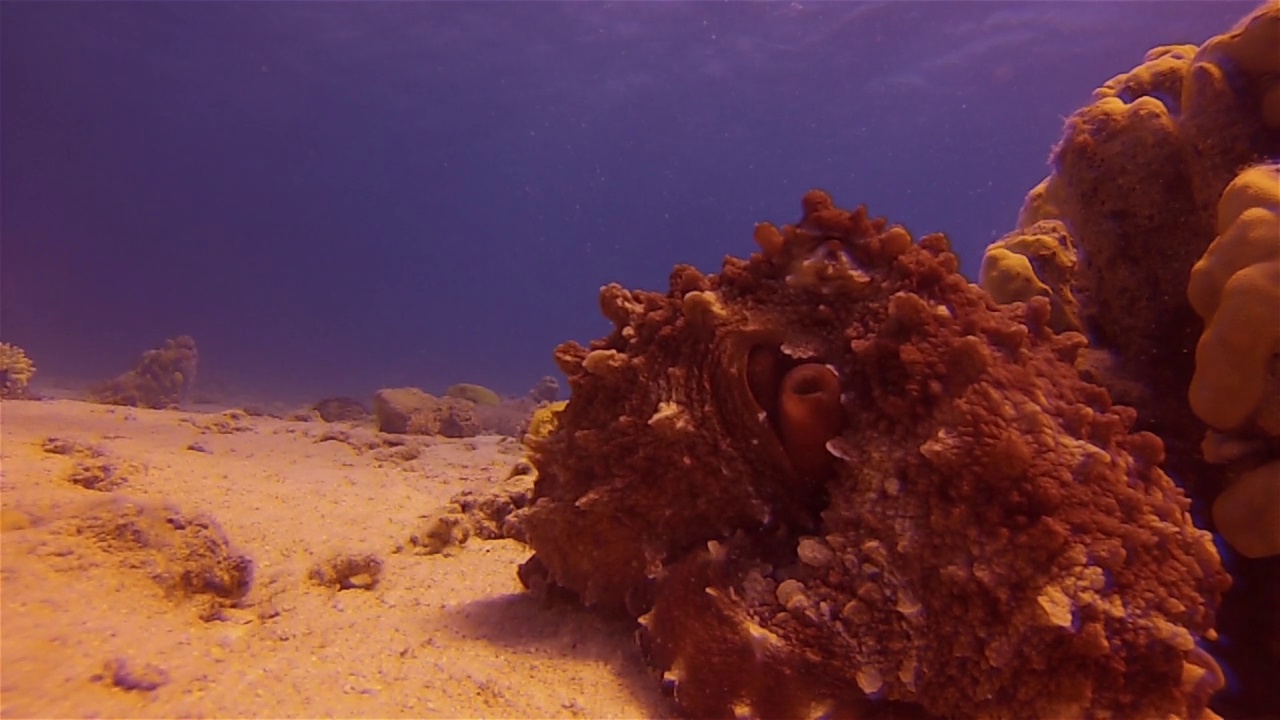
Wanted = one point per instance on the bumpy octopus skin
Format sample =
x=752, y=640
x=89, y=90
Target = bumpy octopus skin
x=837, y=480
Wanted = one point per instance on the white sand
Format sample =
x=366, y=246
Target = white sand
x=440, y=636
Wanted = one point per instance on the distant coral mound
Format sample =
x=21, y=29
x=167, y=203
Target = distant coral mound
x=465, y=411
x=478, y=394
x=546, y=390
x=412, y=411
x=16, y=370
x=341, y=409
x=161, y=378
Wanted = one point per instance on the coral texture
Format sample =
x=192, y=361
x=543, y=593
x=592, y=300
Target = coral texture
x=1136, y=183
x=16, y=370
x=415, y=412
x=1235, y=287
x=341, y=409
x=983, y=536
x=160, y=379
x=543, y=420
x=1039, y=260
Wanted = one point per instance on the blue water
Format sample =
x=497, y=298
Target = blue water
x=334, y=197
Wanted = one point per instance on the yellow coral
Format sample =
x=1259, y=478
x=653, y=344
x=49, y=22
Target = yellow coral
x=477, y=394
x=1247, y=215
x=1160, y=74
x=16, y=370
x=1008, y=276
x=1235, y=287
x=1043, y=202
x=543, y=422
x=1251, y=48
x=1037, y=260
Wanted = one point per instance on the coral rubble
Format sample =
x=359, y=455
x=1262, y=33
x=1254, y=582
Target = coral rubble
x=188, y=555
x=836, y=479
x=161, y=378
x=496, y=513
x=341, y=409
x=412, y=411
x=415, y=412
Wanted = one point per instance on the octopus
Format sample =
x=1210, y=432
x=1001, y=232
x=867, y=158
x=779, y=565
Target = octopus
x=836, y=479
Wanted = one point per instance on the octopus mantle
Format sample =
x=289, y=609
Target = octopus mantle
x=837, y=480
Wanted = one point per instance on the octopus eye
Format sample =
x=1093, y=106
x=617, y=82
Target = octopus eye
x=810, y=381
x=809, y=414
x=802, y=404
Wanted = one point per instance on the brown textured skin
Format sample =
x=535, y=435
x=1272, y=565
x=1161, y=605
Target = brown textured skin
x=981, y=491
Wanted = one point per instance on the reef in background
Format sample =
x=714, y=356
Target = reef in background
x=16, y=371
x=161, y=378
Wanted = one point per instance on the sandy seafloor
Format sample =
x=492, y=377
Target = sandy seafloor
x=440, y=636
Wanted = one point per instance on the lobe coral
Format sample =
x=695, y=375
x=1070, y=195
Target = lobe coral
x=836, y=479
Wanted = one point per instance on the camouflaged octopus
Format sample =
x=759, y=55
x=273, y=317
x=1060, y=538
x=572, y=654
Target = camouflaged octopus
x=837, y=480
